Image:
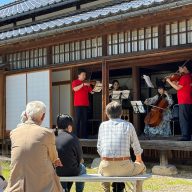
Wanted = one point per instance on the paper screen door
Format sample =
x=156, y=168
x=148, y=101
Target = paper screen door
x=15, y=99
x=38, y=88
x=22, y=88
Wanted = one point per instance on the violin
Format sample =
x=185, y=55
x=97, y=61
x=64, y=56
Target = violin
x=176, y=76
x=90, y=82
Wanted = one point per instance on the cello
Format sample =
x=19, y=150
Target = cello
x=154, y=117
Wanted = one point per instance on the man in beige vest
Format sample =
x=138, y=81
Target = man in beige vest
x=33, y=154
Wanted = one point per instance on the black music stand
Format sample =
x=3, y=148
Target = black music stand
x=119, y=95
x=138, y=107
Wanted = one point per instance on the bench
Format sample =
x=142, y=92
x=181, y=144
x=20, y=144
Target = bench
x=135, y=183
x=163, y=145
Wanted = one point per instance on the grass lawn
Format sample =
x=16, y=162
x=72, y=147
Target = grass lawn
x=154, y=184
x=180, y=183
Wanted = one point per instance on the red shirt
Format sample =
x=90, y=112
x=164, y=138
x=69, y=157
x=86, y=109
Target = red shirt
x=184, y=95
x=81, y=97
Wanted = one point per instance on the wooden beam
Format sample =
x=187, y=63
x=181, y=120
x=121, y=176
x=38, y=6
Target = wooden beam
x=2, y=104
x=105, y=88
x=136, y=96
x=154, y=144
x=165, y=145
x=140, y=59
x=152, y=58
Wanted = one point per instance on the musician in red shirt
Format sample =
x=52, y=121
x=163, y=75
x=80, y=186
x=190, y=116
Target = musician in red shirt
x=184, y=95
x=81, y=102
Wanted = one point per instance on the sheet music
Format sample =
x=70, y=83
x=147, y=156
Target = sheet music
x=148, y=81
x=125, y=94
x=137, y=106
x=120, y=94
x=98, y=87
x=116, y=95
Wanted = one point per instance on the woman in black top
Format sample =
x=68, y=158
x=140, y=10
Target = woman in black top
x=69, y=152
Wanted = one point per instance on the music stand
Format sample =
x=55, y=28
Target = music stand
x=118, y=95
x=137, y=107
x=98, y=87
x=125, y=94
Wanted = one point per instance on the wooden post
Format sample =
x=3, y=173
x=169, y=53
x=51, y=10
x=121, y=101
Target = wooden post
x=105, y=88
x=139, y=185
x=162, y=37
x=73, y=76
x=104, y=43
x=49, y=56
x=136, y=96
x=2, y=104
x=163, y=158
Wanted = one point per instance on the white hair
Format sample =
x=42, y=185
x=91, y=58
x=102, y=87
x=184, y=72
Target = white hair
x=35, y=110
x=23, y=117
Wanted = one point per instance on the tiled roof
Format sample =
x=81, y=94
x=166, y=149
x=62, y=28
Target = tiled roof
x=62, y=23
x=26, y=6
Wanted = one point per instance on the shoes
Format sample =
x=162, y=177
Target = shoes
x=184, y=139
x=118, y=187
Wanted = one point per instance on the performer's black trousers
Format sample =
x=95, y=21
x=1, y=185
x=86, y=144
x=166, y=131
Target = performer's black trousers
x=81, y=121
x=185, y=120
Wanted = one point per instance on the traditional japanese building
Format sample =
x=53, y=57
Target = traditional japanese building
x=44, y=42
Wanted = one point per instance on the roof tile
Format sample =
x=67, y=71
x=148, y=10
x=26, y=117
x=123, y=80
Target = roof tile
x=25, y=6
x=82, y=17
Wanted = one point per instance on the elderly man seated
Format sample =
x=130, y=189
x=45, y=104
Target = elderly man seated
x=33, y=154
x=115, y=138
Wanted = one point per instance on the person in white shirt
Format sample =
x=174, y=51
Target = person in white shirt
x=115, y=139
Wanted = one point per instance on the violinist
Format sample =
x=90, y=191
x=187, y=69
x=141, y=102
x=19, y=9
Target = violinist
x=163, y=129
x=81, y=102
x=184, y=95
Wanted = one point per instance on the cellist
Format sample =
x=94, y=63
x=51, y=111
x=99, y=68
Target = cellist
x=163, y=129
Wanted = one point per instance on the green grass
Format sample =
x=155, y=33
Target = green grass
x=169, y=184
x=6, y=173
x=5, y=169
x=154, y=184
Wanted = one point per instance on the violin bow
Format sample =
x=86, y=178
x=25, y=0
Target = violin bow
x=91, y=73
x=184, y=64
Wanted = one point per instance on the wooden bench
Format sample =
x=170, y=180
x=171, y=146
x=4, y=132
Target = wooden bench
x=135, y=184
x=163, y=145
